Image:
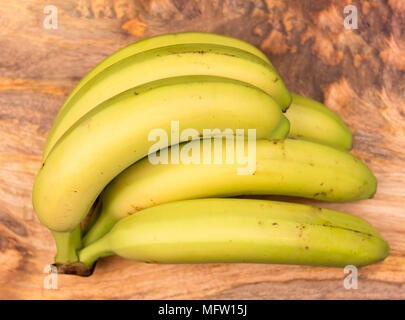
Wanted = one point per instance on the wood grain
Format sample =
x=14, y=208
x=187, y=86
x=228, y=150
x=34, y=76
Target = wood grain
x=358, y=73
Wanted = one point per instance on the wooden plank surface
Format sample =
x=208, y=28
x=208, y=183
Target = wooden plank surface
x=358, y=73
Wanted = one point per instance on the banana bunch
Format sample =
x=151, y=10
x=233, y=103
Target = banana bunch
x=284, y=167
x=217, y=94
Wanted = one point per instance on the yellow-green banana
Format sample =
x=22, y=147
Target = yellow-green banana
x=115, y=134
x=313, y=121
x=288, y=167
x=163, y=41
x=241, y=230
x=164, y=62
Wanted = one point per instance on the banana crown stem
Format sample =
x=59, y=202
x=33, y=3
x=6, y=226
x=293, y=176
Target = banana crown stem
x=103, y=224
x=93, y=252
x=66, y=244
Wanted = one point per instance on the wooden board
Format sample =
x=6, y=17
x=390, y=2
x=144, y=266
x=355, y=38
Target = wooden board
x=358, y=73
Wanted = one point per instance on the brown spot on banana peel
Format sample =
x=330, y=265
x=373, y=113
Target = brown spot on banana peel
x=135, y=209
x=203, y=52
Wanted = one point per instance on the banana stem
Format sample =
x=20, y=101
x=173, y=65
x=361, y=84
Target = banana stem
x=102, y=226
x=96, y=250
x=67, y=243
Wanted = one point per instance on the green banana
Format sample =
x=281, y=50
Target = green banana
x=241, y=230
x=115, y=134
x=163, y=41
x=164, y=62
x=288, y=167
x=313, y=121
